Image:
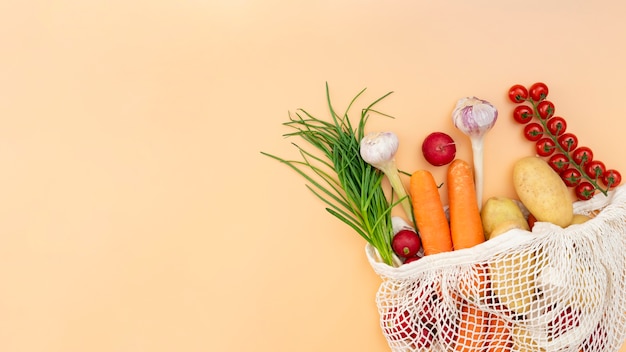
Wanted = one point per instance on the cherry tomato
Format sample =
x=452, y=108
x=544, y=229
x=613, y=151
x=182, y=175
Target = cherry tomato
x=570, y=176
x=568, y=141
x=545, y=109
x=584, y=190
x=582, y=155
x=594, y=169
x=523, y=114
x=545, y=146
x=611, y=178
x=538, y=91
x=556, y=125
x=559, y=162
x=533, y=131
x=400, y=326
x=518, y=93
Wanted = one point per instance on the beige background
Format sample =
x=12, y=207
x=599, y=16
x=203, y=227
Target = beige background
x=137, y=212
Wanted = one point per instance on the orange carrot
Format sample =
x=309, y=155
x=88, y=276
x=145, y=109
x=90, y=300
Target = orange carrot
x=472, y=333
x=466, y=227
x=428, y=212
x=499, y=335
x=475, y=286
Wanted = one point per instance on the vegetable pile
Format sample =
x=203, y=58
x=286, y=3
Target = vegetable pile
x=346, y=165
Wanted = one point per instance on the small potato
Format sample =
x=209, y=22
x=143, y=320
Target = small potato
x=524, y=341
x=513, y=280
x=542, y=191
x=580, y=219
x=506, y=226
x=498, y=211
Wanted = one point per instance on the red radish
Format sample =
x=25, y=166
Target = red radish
x=404, y=326
x=600, y=341
x=439, y=149
x=411, y=259
x=427, y=335
x=447, y=333
x=397, y=324
x=426, y=314
x=425, y=302
x=566, y=320
x=406, y=243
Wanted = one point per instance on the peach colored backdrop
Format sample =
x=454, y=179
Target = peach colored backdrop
x=137, y=212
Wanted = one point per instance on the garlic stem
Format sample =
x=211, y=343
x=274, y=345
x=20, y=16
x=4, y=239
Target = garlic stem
x=477, y=155
x=475, y=117
x=379, y=149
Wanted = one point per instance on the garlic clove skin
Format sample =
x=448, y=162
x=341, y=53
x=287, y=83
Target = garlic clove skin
x=474, y=116
x=398, y=224
x=379, y=148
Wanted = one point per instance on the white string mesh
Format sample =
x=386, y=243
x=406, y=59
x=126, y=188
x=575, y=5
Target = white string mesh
x=549, y=290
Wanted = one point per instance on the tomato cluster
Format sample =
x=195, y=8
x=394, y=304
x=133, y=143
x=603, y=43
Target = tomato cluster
x=575, y=164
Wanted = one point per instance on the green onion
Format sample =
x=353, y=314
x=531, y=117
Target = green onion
x=351, y=188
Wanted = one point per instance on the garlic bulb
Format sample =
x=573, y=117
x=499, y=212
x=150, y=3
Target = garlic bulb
x=379, y=149
x=475, y=117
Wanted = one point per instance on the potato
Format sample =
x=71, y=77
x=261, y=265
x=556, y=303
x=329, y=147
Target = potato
x=524, y=341
x=580, y=219
x=500, y=214
x=506, y=226
x=542, y=191
x=513, y=280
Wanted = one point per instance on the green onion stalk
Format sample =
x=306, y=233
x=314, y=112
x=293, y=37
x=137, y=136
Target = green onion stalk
x=337, y=174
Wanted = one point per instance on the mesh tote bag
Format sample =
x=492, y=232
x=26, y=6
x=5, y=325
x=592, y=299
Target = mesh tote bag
x=552, y=289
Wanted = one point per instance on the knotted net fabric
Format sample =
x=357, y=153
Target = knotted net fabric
x=552, y=289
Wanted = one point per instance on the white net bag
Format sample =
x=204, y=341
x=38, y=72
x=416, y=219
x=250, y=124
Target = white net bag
x=552, y=289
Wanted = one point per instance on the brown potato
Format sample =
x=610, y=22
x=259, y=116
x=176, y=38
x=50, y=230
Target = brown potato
x=542, y=191
x=580, y=219
x=500, y=214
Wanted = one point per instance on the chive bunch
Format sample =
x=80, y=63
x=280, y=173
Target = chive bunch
x=336, y=173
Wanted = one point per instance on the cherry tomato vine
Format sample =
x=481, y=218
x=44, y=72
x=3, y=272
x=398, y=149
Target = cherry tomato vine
x=575, y=164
